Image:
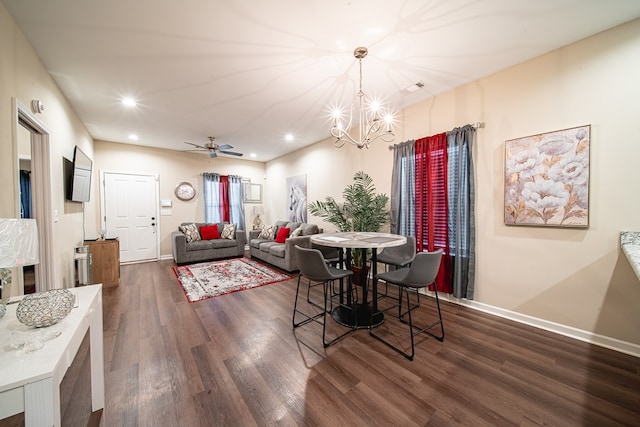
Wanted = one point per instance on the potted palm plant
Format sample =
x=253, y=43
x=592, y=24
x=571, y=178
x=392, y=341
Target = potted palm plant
x=362, y=210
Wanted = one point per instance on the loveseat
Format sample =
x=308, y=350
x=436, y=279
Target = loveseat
x=281, y=255
x=188, y=248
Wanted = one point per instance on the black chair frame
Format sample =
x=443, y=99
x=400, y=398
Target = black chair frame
x=414, y=330
x=326, y=279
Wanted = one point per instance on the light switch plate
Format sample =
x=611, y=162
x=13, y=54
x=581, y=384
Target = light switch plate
x=165, y=212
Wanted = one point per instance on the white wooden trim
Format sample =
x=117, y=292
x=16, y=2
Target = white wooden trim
x=42, y=207
x=558, y=328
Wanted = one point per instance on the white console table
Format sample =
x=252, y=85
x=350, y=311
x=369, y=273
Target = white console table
x=30, y=382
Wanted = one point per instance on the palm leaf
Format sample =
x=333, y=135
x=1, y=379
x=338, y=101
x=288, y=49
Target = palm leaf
x=362, y=210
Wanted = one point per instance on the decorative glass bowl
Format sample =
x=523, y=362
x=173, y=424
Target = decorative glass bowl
x=45, y=308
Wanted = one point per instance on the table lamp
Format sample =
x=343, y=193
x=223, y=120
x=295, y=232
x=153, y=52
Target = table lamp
x=257, y=211
x=18, y=248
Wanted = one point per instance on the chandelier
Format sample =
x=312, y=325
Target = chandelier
x=373, y=123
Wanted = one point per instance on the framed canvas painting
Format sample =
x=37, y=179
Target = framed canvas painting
x=297, y=198
x=546, y=179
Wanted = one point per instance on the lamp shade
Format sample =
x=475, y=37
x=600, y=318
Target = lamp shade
x=258, y=210
x=18, y=242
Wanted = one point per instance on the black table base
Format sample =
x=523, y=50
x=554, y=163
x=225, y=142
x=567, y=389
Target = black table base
x=347, y=316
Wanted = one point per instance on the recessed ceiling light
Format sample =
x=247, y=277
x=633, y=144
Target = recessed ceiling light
x=129, y=102
x=133, y=136
x=288, y=137
x=253, y=155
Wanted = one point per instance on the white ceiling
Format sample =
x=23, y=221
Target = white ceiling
x=250, y=71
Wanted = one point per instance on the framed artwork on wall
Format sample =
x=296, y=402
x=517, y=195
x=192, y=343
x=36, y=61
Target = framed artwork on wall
x=546, y=179
x=297, y=198
x=252, y=193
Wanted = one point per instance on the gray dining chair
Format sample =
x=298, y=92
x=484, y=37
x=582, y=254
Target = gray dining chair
x=314, y=268
x=419, y=275
x=332, y=258
x=397, y=257
x=331, y=255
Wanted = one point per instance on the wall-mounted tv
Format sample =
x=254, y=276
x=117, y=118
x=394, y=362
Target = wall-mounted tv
x=80, y=188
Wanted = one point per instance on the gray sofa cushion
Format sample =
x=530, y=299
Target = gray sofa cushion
x=309, y=229
x=266, y=246
x=200, y=245
x=292, y=226
x=223, y=243
x=277, y=250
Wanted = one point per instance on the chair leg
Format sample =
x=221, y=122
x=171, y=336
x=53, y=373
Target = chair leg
x=427, y=329
x=439, y=337
x=309, y=294
x=307, y=317
x=400, y=313
x=327, y=290
x=409, y=356
x=412, y=327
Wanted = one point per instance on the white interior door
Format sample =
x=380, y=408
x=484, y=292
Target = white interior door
x=130, y=212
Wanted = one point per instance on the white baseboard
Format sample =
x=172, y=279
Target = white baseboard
x=568, y=331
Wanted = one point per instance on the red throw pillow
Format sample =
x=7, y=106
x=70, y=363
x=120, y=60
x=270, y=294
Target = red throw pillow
x=283, y=233
x=209, y=232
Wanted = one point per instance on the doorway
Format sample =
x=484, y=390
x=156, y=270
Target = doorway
x=26, y=211
x=25, y=123
x=129, y=203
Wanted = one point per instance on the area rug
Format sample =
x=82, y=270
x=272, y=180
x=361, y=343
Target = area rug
x=212, y=279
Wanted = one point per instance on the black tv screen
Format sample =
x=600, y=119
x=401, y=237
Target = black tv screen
x=81, y=178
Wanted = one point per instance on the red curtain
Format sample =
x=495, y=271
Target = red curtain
x=224, y=197
x=432, y=231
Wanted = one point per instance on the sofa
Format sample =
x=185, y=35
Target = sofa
x=188, y=247
x=281, y=255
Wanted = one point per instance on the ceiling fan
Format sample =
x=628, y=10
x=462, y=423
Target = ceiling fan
x=214, y=148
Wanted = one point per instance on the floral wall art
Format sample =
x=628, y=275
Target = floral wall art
x=546, y=179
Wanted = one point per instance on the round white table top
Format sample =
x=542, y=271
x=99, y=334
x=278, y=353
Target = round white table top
x=358, y=239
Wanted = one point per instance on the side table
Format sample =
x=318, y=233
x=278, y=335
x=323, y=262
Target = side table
x=30, y=382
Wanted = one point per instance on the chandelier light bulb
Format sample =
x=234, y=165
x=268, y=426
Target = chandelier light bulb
x=368, y=115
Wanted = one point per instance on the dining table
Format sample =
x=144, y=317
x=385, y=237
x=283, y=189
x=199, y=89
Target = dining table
x=362, y=314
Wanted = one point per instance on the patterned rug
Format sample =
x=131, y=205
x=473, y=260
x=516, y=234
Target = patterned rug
x=212, y=279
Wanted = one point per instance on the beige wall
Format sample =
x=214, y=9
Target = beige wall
x=23, y=77
x=573, y=277
x=173, y=167
x=577, y=278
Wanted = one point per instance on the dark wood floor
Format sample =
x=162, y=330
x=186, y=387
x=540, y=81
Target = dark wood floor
x=235, y=360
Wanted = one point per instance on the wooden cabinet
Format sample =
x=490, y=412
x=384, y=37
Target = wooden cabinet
x=105, y=257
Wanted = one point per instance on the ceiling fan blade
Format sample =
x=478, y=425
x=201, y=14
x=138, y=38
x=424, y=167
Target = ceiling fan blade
x=196, y=150
x=212, y=154
x=195, y=145
x=231, y=153
x=225, y=147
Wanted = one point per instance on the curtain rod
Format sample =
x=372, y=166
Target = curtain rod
x=243, y=178
x=477, y=125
